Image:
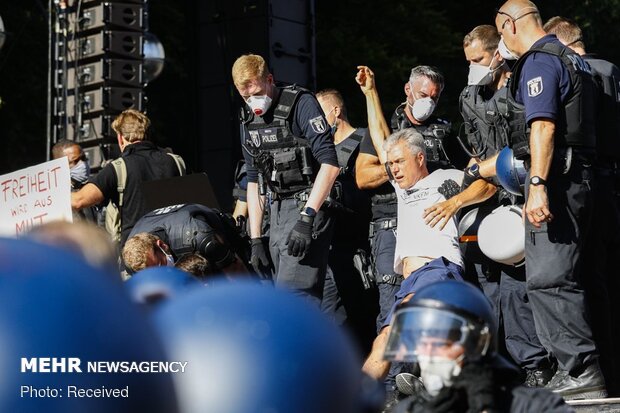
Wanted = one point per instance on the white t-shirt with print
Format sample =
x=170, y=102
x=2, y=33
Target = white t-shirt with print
x=414, y=237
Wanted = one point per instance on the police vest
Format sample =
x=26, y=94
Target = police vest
x=283, y=160
x=607, y=76
x=434, y=132
x=485, y=126
x=576, y=125
x=347, y=192
x=180, y=225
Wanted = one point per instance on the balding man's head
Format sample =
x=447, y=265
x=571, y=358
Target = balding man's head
x=520, y=25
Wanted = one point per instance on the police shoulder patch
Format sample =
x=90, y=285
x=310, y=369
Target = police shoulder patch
x=534, y=86
x=318, y=124
x=255, y=137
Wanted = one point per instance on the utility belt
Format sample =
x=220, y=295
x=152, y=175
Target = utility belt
x=392, y=279
x=333, y=200
x=382, y=224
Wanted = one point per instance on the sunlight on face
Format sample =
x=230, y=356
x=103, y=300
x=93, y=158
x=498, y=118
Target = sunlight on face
x=406, y=167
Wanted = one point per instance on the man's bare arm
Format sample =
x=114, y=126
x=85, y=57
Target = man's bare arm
x=375, y=366
x=377, y=125
x=541, y=151
x=479, y=191
x=255, y=210
x=369, y=171
x=87, y=196
x=322, y=186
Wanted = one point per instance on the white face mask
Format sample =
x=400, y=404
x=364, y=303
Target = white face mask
x=480, y=75
x=80, y=172
x=438, y=372
x=505, y=52
x=259, y=104
x=422, y=108
x=169, y=258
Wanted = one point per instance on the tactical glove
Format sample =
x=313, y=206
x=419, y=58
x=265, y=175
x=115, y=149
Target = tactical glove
x=259, y=256
x=300, y=237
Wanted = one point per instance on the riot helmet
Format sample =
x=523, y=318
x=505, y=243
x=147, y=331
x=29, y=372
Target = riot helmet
x=445, y=324
x=152, y=285
x=56, y=307
x=501, y=235
x=510, y=171
x=254, y=348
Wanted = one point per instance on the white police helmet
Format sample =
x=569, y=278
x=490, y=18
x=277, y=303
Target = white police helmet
x=501, y=236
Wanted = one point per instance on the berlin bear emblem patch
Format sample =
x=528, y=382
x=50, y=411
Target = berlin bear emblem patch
x=255, y=136
x=318, y=124
x=534, y=86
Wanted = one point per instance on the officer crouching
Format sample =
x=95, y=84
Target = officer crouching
x=289, y=149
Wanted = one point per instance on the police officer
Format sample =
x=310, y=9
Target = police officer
x=448, y=329
x=603, y=246
x=288, y=147
x=482, y=104
x=164, y=235
x=552, y=127
x=352, y=289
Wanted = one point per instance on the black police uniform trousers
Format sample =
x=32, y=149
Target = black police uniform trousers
x=303, y=275
x=602, y=278
x=553, y=259
x=505, y=287
x=383, y=247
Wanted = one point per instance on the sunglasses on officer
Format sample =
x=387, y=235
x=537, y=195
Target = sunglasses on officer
x=514, y=19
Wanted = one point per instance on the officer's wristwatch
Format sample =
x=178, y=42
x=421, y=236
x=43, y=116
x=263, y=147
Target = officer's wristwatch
x=537, y=180
x=310, y=212
x=474, y=171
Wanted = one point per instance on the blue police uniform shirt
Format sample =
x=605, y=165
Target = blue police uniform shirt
x=305, y=125
x=544, y=84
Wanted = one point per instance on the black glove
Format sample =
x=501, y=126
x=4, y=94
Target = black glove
x=449, y=188
x=479, y=382
x=300, y=237
x=259, y=256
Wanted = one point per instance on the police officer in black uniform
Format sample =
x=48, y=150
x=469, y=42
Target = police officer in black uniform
x=288, y=147
x=189, y=229
x=602, y=285
x=482, y=104
x=552, y=127
x=352, y=295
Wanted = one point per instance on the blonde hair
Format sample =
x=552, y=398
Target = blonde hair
x=131, y=125
x=137, y=249
x=247, y=68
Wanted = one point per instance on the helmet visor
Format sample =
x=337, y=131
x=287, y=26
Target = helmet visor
x=432, y=332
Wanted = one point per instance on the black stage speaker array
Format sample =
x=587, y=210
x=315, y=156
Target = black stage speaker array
x=282, y=31
x=99, y=73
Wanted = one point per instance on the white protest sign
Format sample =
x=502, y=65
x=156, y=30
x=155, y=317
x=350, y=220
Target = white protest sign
x=34, y=196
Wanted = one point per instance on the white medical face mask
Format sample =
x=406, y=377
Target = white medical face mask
x=480, y=75
x=438, y=372
x=169, y=258
x=259, y=104
x=80, y=172
x=505, y=52
x=421, y=108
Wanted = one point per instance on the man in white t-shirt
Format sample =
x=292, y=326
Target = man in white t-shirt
x=427, y=248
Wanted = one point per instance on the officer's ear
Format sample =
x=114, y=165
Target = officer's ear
x=337, y=111
x=408, y=88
